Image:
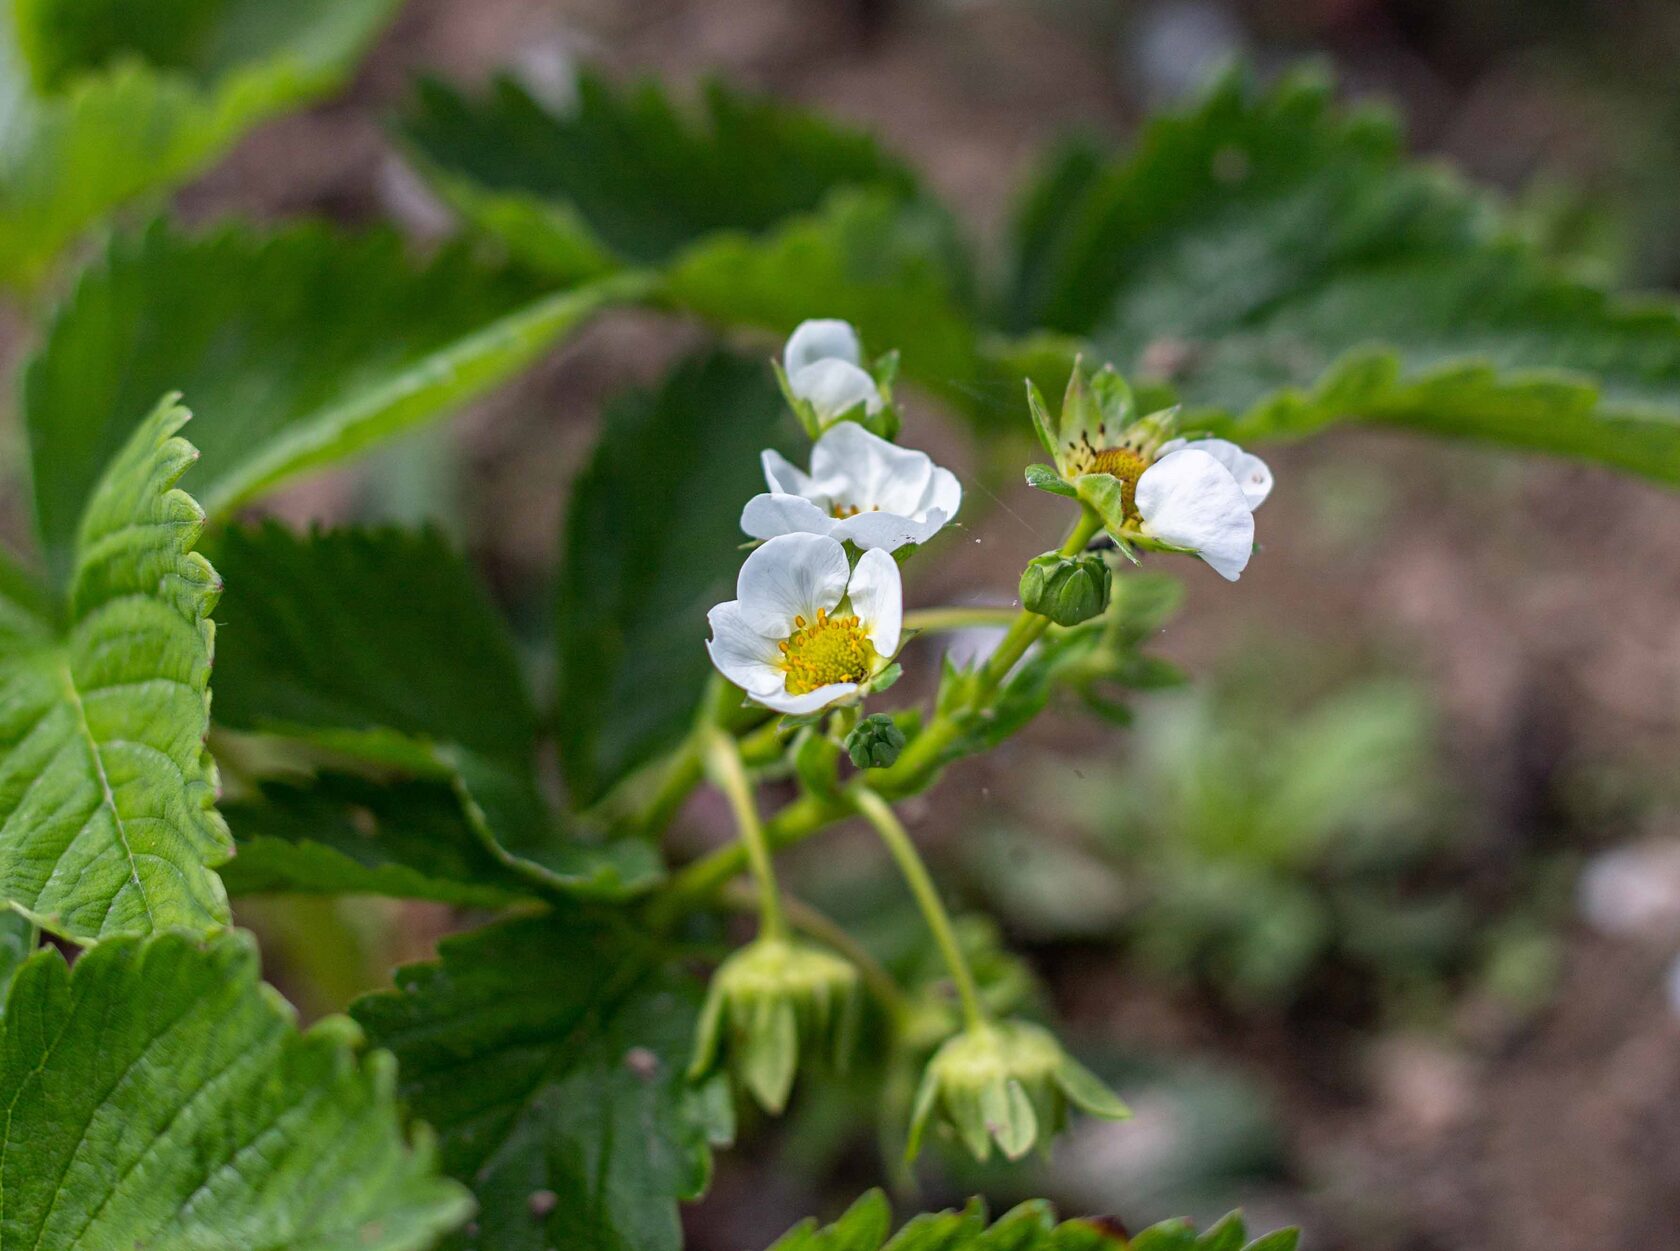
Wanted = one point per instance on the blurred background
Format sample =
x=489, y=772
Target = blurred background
x=1375, y=922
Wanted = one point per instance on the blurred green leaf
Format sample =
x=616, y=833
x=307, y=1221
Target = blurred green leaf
x=350, y=343
x=893, y=268
x=1282, y=264
x=107, y=797
x=106, y=100
x=342, y=834
x=624, y=174
x=652, y=536
x=159, y=1095
x=549, y=1053
x=1030, y=1227
x=382, y=645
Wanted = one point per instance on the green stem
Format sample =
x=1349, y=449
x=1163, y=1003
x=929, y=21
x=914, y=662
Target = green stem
x=723, y=758
x=928, y=620
x=879, y=813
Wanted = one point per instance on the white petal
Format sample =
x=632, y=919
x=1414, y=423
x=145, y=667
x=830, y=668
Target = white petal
x=741, y=654
x=887, y=531
x=1253, y=475
x=1188, y=499
x=835, y=386
x=822, y=338
x=766, y=516
x=810, y=701
x=878, y=600
x=792, y=575
x=782, y=475
x=875, y=473
x=944, y=493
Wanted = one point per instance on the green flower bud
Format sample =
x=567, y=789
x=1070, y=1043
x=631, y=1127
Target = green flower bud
x=1008, y=1083
x=1066, y=589
x=875, y=742
x=770, y=1002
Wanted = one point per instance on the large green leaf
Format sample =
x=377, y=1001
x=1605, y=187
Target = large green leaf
x=107, y=817
x=104, y=100
x=1283, y=265
x=624, y=175
x=159, y=1095
x=1030, y=1227
x=350, y=342
x=344, y=834
x=550, y=1055
x=382, y=644
x=652, y=537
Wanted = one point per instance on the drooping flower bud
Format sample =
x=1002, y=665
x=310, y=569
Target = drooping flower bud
x=770, y=1003
x=1008, y=1083
x=1066, y=589
x=875, y=742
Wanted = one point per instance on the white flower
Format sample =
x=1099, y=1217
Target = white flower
x=861, y=488
x=1251, y=473
x=785, y=638
x=1189, y=499
x=822, y=361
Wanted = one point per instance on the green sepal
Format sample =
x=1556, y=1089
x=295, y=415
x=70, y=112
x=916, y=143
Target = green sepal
x=1045, y=478
x=1106, y=495
x=1044, y=426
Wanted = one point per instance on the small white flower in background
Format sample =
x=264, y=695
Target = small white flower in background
x=823, y=365
x=786, y=639
x=861, y=488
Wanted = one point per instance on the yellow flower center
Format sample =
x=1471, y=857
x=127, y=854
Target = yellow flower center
x=842, y=511
x=1123, y=462
x=829, y=649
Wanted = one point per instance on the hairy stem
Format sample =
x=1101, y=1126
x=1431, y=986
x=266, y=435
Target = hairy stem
x=878, y=812
x=723, y=760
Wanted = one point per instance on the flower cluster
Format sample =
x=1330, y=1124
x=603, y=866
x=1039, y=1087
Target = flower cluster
x=815, y=628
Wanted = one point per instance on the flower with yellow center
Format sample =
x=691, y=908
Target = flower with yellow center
x=1195, y=496
x=861, y=489
x=806, y=630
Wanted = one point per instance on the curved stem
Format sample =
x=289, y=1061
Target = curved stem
x=959, y=617
x=879, y=813
x=723, y=759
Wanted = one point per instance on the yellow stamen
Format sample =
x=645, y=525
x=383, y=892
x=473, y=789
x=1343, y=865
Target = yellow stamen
x=1123, y=462
x=829, y=649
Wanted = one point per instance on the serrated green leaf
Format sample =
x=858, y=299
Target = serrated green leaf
x=1029, y=1227
x=650, y=545
x=351, y=343
x=549, y=1053
x=107, y=816
x=624, y=173
x=382, y=645
x=17, y=939
x=159, y=1095
x=343, y=834
x=106, y=101
x=1281, y=263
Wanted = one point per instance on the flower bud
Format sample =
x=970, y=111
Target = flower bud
x=769, y=1002
x=1008, y=1083
x=1066, y=589
x=875, y=742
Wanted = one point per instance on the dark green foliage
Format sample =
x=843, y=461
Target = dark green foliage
x=549, y=1055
